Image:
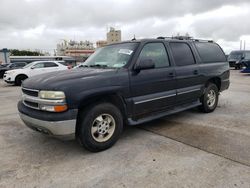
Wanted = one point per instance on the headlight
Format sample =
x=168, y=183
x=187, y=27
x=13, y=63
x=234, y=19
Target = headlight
x=10, y=72
x=51, y=95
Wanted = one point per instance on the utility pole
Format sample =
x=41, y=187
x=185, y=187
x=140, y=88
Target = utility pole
x=244, y=45
x=240, y=44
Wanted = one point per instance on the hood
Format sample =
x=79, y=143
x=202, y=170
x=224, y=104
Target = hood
x=55, y=80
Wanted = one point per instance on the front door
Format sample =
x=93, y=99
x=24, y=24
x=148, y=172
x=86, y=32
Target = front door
x=153, y=89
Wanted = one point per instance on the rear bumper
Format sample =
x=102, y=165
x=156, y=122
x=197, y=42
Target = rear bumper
x=224, y=85
x=232, y=63
x=60, y=125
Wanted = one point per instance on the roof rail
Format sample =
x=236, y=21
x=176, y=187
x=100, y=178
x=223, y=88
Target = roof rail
x=185, y=38
x=202, y=40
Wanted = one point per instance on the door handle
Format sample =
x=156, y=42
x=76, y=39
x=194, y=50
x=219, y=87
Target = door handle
x=171, y=74
x=196, y=72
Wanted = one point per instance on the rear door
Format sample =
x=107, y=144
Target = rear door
x=188, y=77
x=38, y=68
x=153, y=89
x=51, y=67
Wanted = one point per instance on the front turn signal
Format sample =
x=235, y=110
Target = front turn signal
x=60, y=108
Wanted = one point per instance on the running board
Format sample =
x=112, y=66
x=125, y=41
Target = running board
x=157, y=116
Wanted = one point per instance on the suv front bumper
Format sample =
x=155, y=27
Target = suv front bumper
x=60, y=125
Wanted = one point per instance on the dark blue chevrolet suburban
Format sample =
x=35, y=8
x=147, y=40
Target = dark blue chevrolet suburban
x=125, y=83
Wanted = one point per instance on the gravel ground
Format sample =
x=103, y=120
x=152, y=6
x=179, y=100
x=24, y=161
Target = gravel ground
x=189, y=149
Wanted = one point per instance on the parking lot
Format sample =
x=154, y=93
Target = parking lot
x=189, y=149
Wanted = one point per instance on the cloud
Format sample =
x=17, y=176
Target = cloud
x=42, y=23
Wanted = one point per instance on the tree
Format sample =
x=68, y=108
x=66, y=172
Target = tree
x=15, y=52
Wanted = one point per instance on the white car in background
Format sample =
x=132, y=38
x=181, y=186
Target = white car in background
x=35, y=68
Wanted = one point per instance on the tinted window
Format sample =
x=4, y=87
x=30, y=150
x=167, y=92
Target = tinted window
x=182, y=54
x=38, y=65
x=156, y=52
x=20, y=64
x=247, y=55
x=63, y=63
x=235, y=55
x=210, y=52
x=50, y=64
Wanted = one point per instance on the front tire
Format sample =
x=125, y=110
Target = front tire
x=210, y=98
x=100, y=126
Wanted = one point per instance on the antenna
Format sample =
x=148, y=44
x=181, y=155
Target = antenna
x=134, y=38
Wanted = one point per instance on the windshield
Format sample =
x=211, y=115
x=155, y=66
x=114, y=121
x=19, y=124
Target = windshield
x=113, y=56
x=28, y=65
x=235, y=55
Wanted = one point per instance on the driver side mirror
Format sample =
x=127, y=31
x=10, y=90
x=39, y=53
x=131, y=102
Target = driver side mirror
x=145, y=64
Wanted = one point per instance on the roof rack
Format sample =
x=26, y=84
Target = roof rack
x=185, y=38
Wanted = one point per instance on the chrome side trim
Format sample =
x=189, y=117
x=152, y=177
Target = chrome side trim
x=35, y=90
x=184, y=92
x=157, y=98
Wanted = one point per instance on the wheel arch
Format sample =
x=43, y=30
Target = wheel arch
x=216, y=81
x=21, y=74
x=110, y=97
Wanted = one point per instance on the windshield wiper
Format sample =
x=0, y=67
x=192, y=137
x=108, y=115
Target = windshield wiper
x=83, y=66
x=98, y=65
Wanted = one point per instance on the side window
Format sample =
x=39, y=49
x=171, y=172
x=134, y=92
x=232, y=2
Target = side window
x=247, y=55
x=156, y=52
x=38, y=66
x=210, y=52
x=19, y=64
x=182, y=54
x=50, y=64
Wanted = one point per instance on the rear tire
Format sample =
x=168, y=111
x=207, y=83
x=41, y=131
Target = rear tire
x=100, y=126
x=19, y=79
x=210, y=98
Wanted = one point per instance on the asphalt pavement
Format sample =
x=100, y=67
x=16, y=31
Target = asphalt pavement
x=189, y=149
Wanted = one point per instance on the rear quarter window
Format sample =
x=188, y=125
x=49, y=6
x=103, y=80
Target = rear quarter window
x=210, y=52
x=247, y=55
x=63, y=63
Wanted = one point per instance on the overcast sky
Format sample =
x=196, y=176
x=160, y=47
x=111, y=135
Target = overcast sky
x=41, y=24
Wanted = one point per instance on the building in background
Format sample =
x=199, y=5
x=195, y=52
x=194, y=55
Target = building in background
x=113, y=36
x=101, y=43
x=4, y=56
x=79, y=50
x=83, y=49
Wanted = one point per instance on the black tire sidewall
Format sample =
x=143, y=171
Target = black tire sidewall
x=86, y=120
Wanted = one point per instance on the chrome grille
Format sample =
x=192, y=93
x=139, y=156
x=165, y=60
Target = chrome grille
x=31, y=92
